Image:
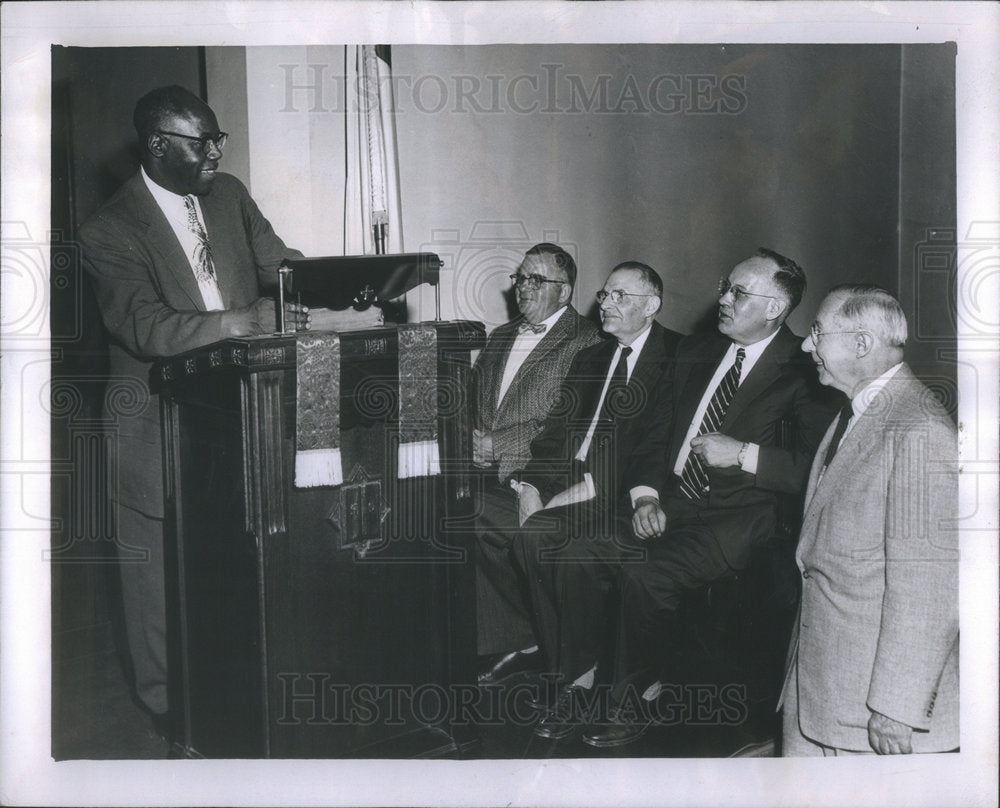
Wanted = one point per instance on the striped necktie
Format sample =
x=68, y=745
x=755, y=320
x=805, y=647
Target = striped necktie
x=694, y=478
x=204, y=268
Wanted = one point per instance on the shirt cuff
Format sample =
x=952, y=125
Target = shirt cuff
x=750, y=457
x=643, y=491
x=519, y=486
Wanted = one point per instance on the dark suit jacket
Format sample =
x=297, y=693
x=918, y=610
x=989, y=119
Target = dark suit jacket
x=618, y=450
x=151, y=305
x=517, y=419
x=782, y=386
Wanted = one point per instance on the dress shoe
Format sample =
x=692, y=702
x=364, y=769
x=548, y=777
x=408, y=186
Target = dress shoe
x=622, y=727
x=568, y=712
x=163, y=725
x=546, y=694
x=503, y=666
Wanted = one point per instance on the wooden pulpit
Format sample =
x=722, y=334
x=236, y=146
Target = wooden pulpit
x=333, y=620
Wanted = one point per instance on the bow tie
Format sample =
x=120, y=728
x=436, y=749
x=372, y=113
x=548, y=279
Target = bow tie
x=532, y=327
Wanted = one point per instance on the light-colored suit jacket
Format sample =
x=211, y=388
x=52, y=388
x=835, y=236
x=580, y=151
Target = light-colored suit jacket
x=517, y=418
x=152, y=307
x=878, y=621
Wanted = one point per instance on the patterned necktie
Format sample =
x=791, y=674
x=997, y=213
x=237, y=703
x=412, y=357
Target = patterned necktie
x=694, y=478
x=613, y=403
x=846, y=413
x=204, y=268
x=534, y=328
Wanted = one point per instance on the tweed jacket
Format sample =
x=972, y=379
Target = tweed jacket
x=151, y=305
x=878, y=621
x=516, y=419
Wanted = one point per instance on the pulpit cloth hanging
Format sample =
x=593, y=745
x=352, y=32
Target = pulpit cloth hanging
x=318, y=458
x=419, y=455
x=317, y=410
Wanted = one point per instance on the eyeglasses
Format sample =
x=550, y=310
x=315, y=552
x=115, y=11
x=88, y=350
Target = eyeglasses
x=617, y=295
x=738, y=291
x=532, y=281
x=815, y=333
x=218, y=139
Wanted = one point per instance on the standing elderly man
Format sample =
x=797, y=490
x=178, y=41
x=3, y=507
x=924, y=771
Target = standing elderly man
x=873, y=661
x=578, y=487
x=517, y=377
x=703, y=504
x=178, y=258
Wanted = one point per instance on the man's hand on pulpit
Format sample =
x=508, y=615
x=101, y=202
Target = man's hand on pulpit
x=259, y=317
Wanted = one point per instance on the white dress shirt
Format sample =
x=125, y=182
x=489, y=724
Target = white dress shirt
x=173, y=208
x=522, y=346
x=752, y=354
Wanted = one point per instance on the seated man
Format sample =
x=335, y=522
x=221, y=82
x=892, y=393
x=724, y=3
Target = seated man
x=873, y=663
x=575, y=484
x=703, y=502
x=516, y=379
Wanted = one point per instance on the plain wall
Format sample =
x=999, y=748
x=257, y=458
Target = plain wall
x=796, y=149
x=686, y=157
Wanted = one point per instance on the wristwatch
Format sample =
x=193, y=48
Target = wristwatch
x=742, y=454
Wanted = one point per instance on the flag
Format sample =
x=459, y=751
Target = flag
x=371, y=204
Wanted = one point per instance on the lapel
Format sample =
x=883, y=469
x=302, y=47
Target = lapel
x=548, y=343
x=699, y=370
x=160, y=238
x=867, y=430
x=220, y=229
x=504, y=337
x=768, y=368
x=649, y=365
x=594, y=377
x=811, y=508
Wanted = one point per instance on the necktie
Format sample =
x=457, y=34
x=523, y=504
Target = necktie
x=534, y=328
x=204, y=269
x=612, y=404
x=846, y=413
x=694, y=478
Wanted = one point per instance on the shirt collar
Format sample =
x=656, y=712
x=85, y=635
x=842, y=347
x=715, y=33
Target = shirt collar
x=551, y=319
x=637, y=344
x=169, y=202
x=862, y=401
x=753, y=351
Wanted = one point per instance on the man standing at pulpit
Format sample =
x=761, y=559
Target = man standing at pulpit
x=517, y=377
x=178, y=257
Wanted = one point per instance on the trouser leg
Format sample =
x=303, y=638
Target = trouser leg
x=685, y=558
x=571, y=563
x=144, y=599
x=502, y=617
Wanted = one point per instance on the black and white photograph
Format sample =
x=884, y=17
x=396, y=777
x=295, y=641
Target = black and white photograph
x=507, y=403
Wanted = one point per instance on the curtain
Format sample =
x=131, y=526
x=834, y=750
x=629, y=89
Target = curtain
x=371, y=203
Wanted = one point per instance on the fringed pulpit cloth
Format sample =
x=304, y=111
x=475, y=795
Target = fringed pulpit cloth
x=317, y=410
x=318, y=459
x=419, y=455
